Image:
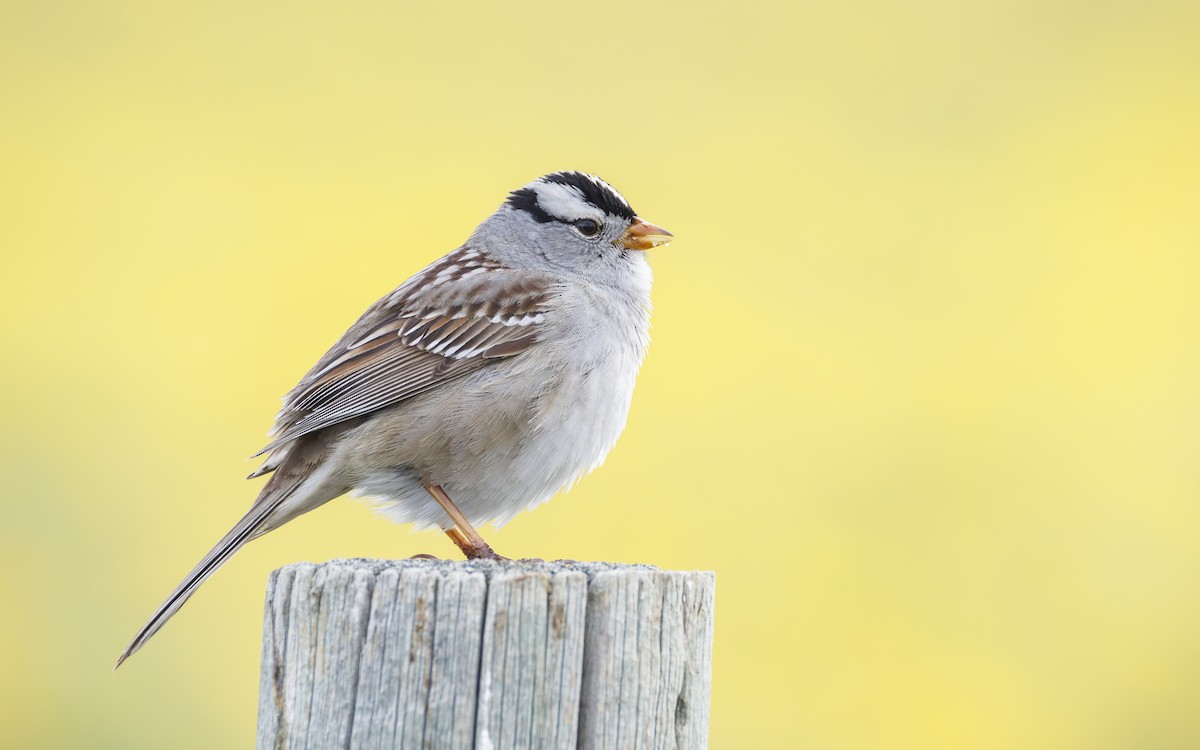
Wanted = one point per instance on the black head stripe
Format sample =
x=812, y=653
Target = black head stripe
x=526, y=200
x=599, y=195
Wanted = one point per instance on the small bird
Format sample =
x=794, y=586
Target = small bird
x=491, y=379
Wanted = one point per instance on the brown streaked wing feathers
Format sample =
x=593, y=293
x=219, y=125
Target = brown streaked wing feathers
x=429, y=331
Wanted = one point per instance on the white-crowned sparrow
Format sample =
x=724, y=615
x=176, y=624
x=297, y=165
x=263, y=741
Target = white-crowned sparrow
x=488, y=381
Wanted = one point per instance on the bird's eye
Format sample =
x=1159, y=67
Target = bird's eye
x=588, y=227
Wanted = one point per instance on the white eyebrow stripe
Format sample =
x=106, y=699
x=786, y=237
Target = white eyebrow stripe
x=564, y=202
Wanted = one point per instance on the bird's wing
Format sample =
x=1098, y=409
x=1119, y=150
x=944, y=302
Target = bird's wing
x=458, y=315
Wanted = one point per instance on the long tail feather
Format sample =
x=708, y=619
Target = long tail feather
x=264, y=515
x=237, y=537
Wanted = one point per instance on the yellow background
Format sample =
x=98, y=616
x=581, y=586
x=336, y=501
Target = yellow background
x=925, y=381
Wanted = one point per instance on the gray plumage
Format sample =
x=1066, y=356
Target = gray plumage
x=501, y=373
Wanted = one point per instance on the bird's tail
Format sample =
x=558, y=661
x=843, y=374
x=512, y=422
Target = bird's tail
x=264, y=515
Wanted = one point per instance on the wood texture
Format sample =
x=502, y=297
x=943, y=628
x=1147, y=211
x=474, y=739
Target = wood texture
x=488, y=656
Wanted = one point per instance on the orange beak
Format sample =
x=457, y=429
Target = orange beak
x=642, y=235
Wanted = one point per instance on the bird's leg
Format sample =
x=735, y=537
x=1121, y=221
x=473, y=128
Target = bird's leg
x=465, y=535
x=457, y=537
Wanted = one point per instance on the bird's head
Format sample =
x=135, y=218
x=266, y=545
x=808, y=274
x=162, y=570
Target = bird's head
x=573, y=222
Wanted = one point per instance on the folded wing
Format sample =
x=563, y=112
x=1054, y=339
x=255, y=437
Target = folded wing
x=456, y=316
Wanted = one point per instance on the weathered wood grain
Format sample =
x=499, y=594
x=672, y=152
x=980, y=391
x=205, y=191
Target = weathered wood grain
x=433, y=654
x=647, y=660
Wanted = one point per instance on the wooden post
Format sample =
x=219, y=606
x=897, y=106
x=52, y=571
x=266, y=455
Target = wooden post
x=486, y=656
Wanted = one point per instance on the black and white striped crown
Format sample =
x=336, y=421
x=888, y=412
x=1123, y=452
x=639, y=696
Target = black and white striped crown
x=568, y=196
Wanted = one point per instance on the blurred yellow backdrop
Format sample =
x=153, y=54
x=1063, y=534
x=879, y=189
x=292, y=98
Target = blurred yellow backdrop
x=925, y=381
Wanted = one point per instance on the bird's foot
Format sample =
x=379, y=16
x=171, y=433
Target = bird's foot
x=483, y=551
x=474, y=548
